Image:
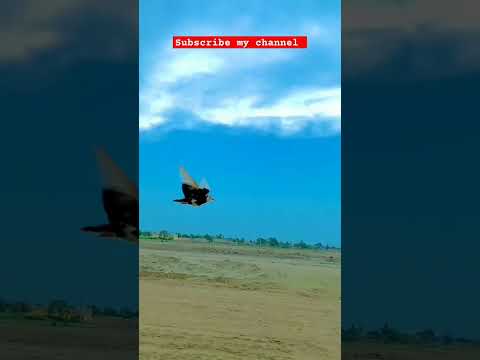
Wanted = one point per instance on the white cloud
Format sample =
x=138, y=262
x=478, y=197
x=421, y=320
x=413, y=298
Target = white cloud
x=153, y=105
x=291, y=113
x=375, y=32
x=28, y=27
x=186, y=66
x=408, y=14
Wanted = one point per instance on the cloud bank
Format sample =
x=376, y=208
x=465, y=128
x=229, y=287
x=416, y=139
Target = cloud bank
x=266, y=90
x=30, y=28
x=425, y=40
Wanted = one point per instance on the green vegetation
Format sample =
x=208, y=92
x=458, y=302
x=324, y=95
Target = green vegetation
x=161, y=235
x=262, y=242
x=60, y=310
x=389, y=335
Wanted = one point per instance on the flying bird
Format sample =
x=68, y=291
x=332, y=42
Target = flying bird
x=120, y=202
x=194, y=195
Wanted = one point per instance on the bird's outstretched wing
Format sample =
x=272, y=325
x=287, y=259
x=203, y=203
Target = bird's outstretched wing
x=121, y=208
x=113, y=177
x=187, y=179
x=204, y=184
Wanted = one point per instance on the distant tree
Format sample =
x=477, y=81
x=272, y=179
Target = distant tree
x=374, y=335
x=385, y=329
x=352, y=334
x=3, y=306
x=273, y=242
x=57, y=307
x=164, y=235
x=95, y=310
x=21, y=307
x=208, y=238
x=261, y=241
x=301, y=245
x=389, y=334
x=238, y=241
x=447, y=340
x=463, y=340
x=126, y=313
x=426, y=336
x=110, y=311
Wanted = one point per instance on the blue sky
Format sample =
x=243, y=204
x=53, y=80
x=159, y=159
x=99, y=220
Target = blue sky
x=263, y=126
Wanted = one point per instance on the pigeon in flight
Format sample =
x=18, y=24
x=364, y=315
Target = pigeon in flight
x=120, y=202
x=194, y=195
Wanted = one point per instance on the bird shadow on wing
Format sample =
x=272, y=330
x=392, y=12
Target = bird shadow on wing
x=120, y=202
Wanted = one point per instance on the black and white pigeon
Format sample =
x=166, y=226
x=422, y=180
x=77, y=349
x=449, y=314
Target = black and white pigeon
x=120, y=202
x=194, y=195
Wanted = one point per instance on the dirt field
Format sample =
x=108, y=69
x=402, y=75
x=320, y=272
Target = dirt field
x=366, y=351
x=101, y=339
x=220, y=301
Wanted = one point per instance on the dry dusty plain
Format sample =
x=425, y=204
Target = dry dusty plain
x=209, y=301
x=378, y=351
x=100, y=339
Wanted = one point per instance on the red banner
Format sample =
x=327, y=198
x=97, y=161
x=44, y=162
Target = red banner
x=239, y=42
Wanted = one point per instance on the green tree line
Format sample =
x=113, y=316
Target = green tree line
x=60, y=306
x=389, y=335
x=261, y=241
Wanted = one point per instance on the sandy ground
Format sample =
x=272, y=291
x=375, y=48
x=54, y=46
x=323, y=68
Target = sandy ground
x=102, y=339
x=204, y=301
